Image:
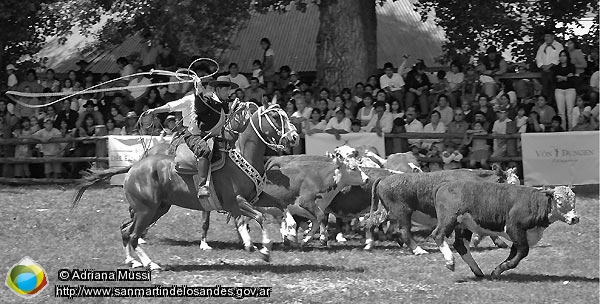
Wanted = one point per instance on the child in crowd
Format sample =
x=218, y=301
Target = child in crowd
x=257, y=71
x=521, y=119
x=356, y=128
x=451, y=157
x=434, y=152
x=499, y=127
x=555, y=125
x=23, y=130
x=50, y=149
x=580, y=107
x=479, y=147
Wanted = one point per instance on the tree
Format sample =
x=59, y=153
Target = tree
x=517, y=25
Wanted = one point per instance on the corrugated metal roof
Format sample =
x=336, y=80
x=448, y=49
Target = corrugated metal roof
x=293, y=36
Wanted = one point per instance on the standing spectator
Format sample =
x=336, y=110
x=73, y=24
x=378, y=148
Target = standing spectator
x=458, y=126
x=418, y=85
x=500, y=128
x=21, y=151
x=381, y=122
x=413, y=125
x=577, y=56
x=592, y=61
x=544, y=111
x=480, y=150
x=435, y=126
x=236, y=77
x=339, y=103
x=556, y=125
x=579, y=108
x=456, y=79
x=310, y=99
x=51, y=169
x=254, y=91
x=349, y=102
x=393, y=83
x=257, y=71
x=80, y=73
x=9, y=118
x=491, y=66
x=150, y=51
x=68, y=115
x=12, y=81
x=51, y=82
x=546, y=58
x=339, y=124
x=564, y=93
x=268, y=62
x=444, y=110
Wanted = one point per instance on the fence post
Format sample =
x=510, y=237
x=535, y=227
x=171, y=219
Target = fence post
x=101, y=147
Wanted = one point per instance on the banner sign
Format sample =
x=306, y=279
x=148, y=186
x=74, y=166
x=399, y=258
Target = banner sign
x=123, y=151
x=319, y=143
x=566, y=158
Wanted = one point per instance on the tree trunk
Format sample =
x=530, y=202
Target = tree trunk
x=346, y=42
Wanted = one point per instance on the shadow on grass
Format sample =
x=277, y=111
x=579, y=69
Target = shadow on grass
x=524, y=277
x=280, y=269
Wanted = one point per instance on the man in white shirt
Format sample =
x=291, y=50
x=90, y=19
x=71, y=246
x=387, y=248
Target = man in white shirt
x=546, y=58
x=237, y=78
x=393, y=83
x=413, y=125
x=339, y=124
x=137, y=94
x=447, y=115
x=382, y=121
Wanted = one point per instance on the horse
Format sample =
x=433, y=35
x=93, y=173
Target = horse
x=152, y=185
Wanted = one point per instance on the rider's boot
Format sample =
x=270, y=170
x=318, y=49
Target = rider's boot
x=203, y=167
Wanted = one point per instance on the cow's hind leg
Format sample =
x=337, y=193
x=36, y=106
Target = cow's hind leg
x=405, y=222
x=205, y=225
x=461, y=238
x=518, y=251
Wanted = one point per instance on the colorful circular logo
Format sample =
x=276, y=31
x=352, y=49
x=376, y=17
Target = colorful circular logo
x=26, y=278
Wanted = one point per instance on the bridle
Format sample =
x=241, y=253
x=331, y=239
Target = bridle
x=271, y=142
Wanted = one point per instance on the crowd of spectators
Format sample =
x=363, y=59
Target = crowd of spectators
x=463, y=99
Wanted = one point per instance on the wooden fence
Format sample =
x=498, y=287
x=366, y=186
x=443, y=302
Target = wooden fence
x=101, y=158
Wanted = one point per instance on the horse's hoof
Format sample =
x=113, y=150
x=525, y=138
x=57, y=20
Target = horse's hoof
x=141, y=241
x=368, y=247
x=250, y=248
x=154, y=267
x=500, y=243
x=495, y=275
x=340, y=238
x=265, y=254
x=450, y=266
x=419, y=251
x=136, y=264
x=205, y=246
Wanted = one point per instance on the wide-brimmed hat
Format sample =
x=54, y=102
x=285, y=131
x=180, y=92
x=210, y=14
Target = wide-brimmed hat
x=82, y=62
x=170, y=117
x=11, y=67
x=223, y=81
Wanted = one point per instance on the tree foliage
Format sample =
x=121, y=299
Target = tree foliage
x=517, y=25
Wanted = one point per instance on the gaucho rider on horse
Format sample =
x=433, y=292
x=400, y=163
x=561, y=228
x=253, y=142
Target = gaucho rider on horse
x=203, y=117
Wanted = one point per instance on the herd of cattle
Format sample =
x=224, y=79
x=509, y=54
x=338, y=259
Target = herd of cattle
x=357, y=184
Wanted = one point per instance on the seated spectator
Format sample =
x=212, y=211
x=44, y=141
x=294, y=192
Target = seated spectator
x=458, y=126
x=254, y=91
x=441, y=87
x=118, y=119
x=125, y=68
x=294, y=81
x=290, y=107
x=381, y=96
x=236, y=77
x=12, y=81
x=170, y=126
x=393, y=83
x=359, y=93
x=555, y=126
x=111, y=127
x=75, y=80
x=370, y=90
x=22, y=130
x=51, y=169
x=486, y=109
x=455, y=79
x=23, y=111
x=315, y=124
x=302, y=114
x=544, y=111
x=165, y=59
x=322, y=106
x=468, y=111
x=35, y=124
x=257, y=72
x=9, y=118
x=122, y=104
x=396, y=110
x=284, y=77
x=471, y=84
x=365, y=113
x=67, y=86
x=339, y=124
x=131, y=127
x=435, y=126
x=239, y=94
x=594, y=85
x=521, y=119
x=356, y=127
x=434, y=152
x=150, y=125
x=349, y=102
x=139, y=93
x=310, y=99
x=51, y=82
x=499, y=149
x=373, y=83
x=444, y=109
x=67, y=115
x=533, y=123
x=339, y=103
x=579, y=108
x=31, y=81
x=451, y=157
x=417, y=85
x=491, y=66
x=585, y=122
x=480, y=150
x=413, y=125
x=89, y=109
x=381, y=122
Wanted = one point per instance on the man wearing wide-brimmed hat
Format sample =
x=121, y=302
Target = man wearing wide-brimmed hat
x=203, y=117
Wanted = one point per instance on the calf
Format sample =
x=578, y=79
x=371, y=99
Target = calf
x=516, y=212
x=403, y=194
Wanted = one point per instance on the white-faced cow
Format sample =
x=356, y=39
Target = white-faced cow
x=518, y=213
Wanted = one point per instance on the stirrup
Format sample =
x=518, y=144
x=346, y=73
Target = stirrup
x=203, y=191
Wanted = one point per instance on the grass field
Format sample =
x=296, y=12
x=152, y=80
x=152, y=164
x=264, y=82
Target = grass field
x=36, y=222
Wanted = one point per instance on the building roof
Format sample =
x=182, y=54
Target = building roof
x=293, y=36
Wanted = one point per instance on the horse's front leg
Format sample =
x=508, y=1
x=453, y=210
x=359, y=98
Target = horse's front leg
x=205, y=224
x=249, y=211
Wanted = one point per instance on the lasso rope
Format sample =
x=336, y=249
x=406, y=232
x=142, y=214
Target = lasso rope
x=179, y=74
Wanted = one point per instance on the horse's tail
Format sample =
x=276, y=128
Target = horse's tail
x=92, y=178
